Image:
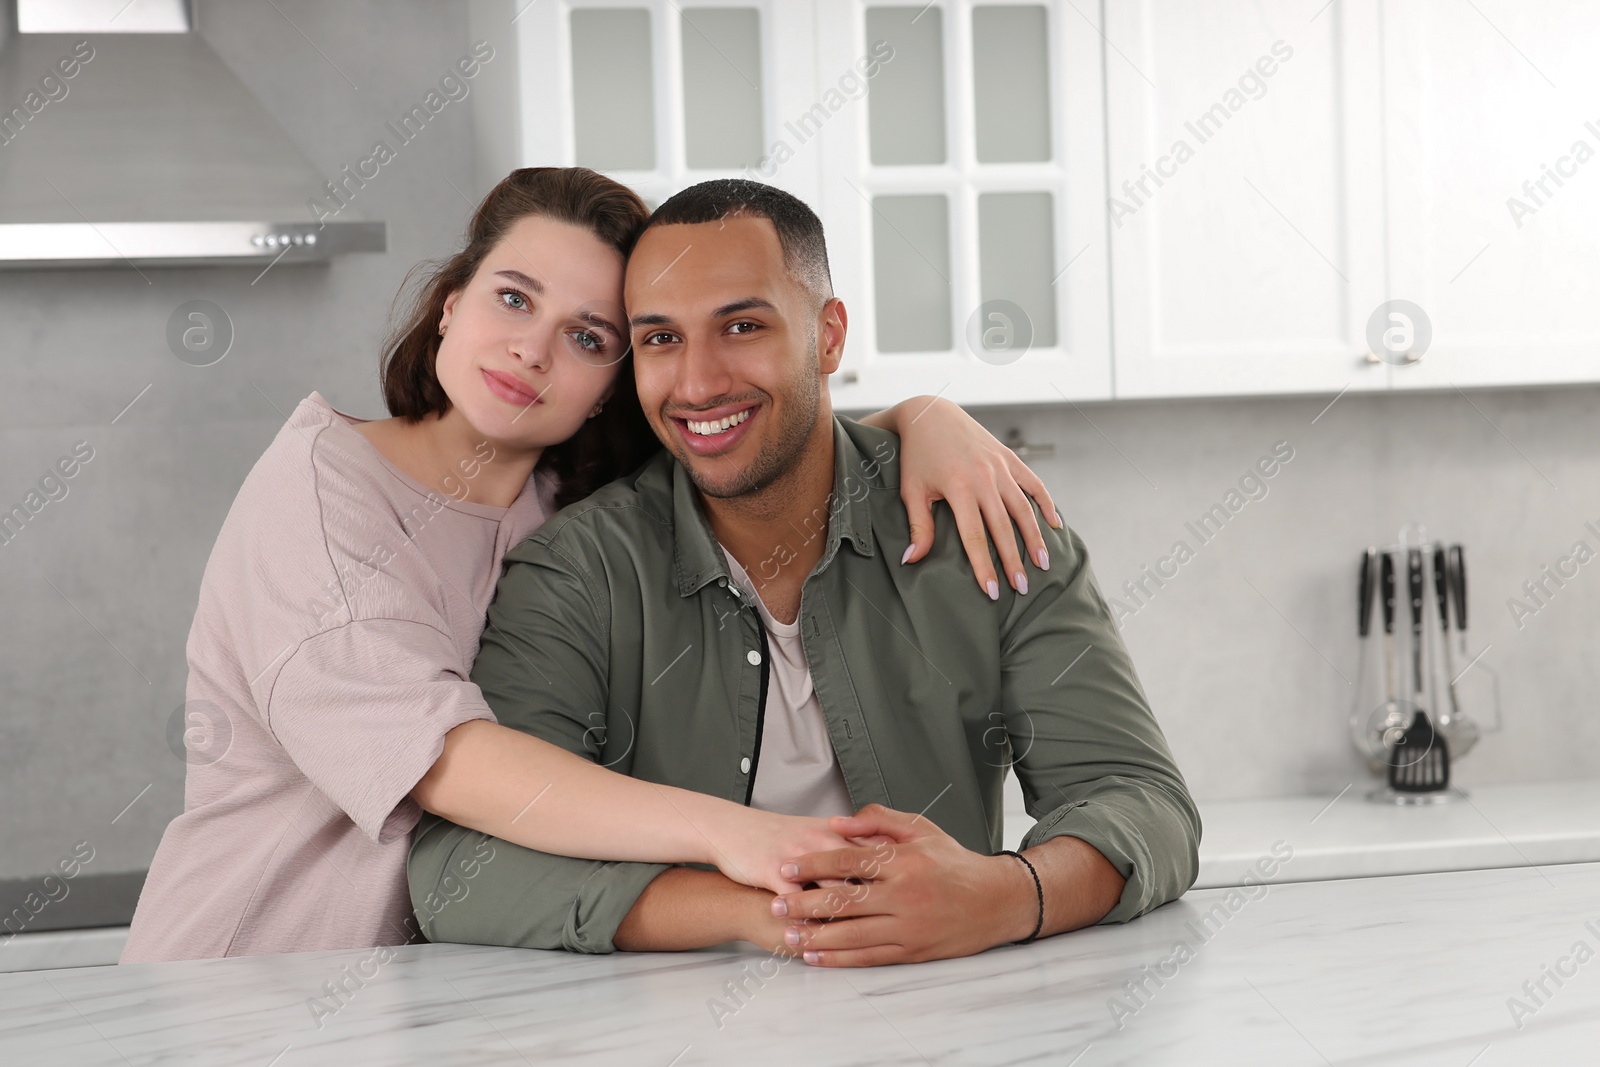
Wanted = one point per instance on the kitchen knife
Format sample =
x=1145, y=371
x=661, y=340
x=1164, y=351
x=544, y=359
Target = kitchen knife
x=1459, y=731
x=1389, y=720
x=1364, y=597
x=1391, y=676
x=1414, y=589
x=1478, y=684
x=1367, y=741
x=1458, y=590
x=1441, y=586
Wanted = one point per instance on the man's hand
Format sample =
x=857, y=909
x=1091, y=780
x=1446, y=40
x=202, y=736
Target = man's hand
x=922, y=896
x=748, y=844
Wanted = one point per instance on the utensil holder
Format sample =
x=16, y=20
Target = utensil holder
x=1407, y=668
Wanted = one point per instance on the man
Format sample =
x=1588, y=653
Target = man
x=728, y=620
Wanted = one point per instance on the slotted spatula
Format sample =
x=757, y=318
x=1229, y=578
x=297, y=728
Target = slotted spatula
x=1420, y=763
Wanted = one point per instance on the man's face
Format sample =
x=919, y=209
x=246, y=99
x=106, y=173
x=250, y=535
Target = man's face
x=730, y=350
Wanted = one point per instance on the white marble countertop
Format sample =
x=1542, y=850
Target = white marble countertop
x=1337, y=836
x=1414, y=969
x=1350, y=837
x=1342, y=835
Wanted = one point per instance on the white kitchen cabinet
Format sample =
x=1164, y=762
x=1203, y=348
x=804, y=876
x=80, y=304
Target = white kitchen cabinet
x=1245, y=208
x=964, y=202
x=946, y=234
x=1203, y=199
x=657, y=95
x=1493, y=146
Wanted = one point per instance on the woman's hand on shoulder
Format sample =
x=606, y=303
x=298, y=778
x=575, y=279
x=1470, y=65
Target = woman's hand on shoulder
x=946, y=454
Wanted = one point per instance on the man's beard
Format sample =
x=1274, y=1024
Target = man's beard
x=719, y=477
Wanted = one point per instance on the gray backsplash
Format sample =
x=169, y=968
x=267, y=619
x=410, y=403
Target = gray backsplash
x=101, y=586
x=1245, y=654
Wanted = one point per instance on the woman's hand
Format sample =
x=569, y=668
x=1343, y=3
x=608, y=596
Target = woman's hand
x=947, y=455
x=754, y=843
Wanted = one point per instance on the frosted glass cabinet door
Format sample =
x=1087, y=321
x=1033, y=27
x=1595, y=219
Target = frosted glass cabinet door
x=963, y=191
x=613, y=117
x=1494, y=209
x=1246, y=196
x=657, y=94
x=954, y=150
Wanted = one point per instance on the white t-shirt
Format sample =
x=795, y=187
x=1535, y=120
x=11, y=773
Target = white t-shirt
x=797, y=772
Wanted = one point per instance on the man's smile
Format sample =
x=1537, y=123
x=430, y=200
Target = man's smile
x=716, y=431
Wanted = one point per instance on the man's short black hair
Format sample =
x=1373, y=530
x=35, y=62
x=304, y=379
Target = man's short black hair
x=805, y=252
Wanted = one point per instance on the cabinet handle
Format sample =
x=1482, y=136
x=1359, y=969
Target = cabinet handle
x=1024, y=450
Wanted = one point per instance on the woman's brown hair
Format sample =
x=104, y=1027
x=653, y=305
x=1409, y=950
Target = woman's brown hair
x=607, y=446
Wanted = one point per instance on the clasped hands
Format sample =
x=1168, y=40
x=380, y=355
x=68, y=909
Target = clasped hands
x=904, y=893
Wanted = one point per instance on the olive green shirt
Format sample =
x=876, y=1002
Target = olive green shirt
x=617, y=634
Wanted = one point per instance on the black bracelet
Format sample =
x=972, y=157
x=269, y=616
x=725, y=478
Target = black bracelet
x=1038, y=888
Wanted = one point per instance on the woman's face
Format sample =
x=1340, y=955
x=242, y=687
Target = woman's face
x=535, y=339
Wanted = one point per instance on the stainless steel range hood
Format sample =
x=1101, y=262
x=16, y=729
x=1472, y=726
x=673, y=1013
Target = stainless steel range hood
x=150, y=152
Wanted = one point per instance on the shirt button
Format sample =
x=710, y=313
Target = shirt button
x=723, y=582
x=754, y=657
x=744, y=765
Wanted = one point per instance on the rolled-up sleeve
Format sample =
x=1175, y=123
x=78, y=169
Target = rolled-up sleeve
x=542, y=667
x=519, y=897
x=1091, y=758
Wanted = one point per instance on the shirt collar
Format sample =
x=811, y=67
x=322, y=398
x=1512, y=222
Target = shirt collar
x=698, y=556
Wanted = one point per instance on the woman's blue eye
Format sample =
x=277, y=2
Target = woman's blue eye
x=591, y=341
x=514, y=300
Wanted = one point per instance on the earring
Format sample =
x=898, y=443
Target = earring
x=442, y=329
x=596, y=410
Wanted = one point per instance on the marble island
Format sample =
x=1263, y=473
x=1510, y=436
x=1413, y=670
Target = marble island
x=1480, y=968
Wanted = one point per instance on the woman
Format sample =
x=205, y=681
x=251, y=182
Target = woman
x=341, y=609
